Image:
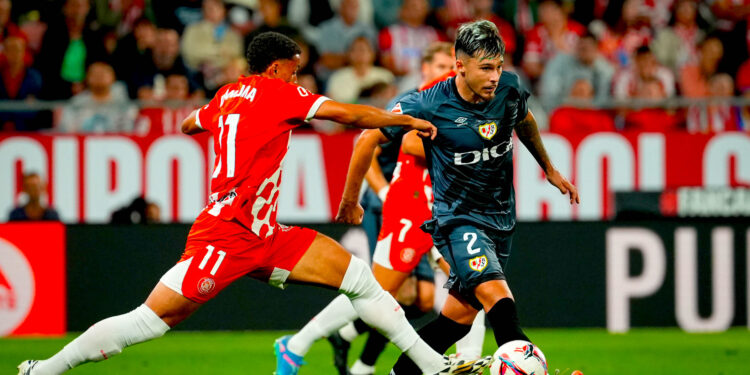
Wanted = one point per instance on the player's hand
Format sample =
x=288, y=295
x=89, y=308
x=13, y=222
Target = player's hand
x=555, y=178
x=424, y=128
x=350, y=213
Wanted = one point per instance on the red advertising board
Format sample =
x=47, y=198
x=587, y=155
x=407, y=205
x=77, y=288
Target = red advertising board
x=92, y=176
x=32, y=279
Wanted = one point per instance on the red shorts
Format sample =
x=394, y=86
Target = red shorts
x=401, y=244
x=218, y=252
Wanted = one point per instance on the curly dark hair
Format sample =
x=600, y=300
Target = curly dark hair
x=268, y=47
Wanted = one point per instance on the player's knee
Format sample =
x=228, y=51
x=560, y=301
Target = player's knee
x=358, y=280
x=490, y=292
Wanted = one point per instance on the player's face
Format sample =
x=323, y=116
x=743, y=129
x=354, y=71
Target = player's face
x=481, y=73
x=287, y=69
x=441, y=64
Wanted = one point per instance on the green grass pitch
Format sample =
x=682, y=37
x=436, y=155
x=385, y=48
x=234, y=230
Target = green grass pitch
x=593, y=351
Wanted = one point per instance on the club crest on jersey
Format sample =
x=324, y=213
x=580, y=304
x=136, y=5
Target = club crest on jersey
x=206, y=285
x=397, y=109
x=478, y=264
x=407, y=255
x=487, y=131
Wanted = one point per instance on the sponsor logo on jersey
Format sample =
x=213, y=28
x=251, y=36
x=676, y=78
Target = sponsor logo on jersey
x=461, y=121
x=16, y=287
x=487, y=131
x=473, y=157
x=478, y=264
x=407, y=255
x=397, y=109
x=206, y=285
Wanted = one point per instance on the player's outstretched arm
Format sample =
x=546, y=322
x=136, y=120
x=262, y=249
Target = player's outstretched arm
x=367, y=117
x=190, y=126
x=528, y=133
x=350, y=212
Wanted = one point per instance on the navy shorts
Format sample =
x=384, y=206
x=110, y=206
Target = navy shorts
x=475, y=255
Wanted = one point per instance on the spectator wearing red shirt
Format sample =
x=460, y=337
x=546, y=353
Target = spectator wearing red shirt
x=482, y=10
x=652, y=119
x=570, y=119
x=402, y=44
x=553, y=34
x=717, y=116
x=166, y=116
x=645, y=67
x=627, y=29
x=18, y=81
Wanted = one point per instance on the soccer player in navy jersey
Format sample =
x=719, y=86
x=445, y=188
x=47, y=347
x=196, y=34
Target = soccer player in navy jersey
x=471, y=166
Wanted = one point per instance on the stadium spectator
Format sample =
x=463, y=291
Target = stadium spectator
x=167, y=113
x=133, y=51
x=35, y=208
x=149, y=79
x=644, y=67
x=676, y=45
x=307, y=15
x=232, y=71
x=554, y=33
x=694, y=77
x=482, y=10
x=68, y=47
x=272, y=19
x=401, y=44
x=733, y=29
x=121, y=16
x=139, y=211
x=7, y=27
x=346, y=28
x=743, y=77
x=102, y=108
x=627, y=29
x=718, y=115
x=652, y=119
x=18, y=81
x=565, y=68
x=523, y=14
x=346, y=83
x=569, y=119
x=387, y=13
x=177, y=14
x=207, y=46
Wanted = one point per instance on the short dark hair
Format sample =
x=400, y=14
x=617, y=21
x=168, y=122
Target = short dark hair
x=479, y=37
x=268, y=47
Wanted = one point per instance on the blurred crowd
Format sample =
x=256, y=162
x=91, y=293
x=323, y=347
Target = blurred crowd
x=576, y=57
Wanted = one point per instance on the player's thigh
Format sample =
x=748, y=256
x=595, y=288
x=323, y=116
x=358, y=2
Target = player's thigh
x=169, y=305
x=457, y=309
x=390, y=280
x=324, y=263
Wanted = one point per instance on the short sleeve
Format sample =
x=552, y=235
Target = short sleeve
x=298, y=103
x=411, y=105
x=206, y=116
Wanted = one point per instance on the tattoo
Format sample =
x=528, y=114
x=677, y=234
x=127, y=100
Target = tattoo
x=528, y=132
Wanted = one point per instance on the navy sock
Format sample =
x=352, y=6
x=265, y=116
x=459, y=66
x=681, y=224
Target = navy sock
x=503, y=318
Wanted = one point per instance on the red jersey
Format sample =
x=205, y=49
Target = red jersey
x=251, y=122
x=411, y=185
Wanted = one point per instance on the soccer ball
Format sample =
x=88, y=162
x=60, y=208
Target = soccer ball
x=519, y=357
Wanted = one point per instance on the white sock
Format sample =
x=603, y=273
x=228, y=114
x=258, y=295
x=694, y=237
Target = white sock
x=349, y=332
x=359, y=368
x=105, y=339
x=381, y=311
x=337, y=314
x=470, y=346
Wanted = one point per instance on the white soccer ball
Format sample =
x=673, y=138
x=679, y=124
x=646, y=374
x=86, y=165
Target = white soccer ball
x=519, y=357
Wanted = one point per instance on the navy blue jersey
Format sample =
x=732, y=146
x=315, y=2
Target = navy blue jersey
x=471, y=159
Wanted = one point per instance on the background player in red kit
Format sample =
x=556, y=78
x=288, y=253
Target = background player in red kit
x=237, y=233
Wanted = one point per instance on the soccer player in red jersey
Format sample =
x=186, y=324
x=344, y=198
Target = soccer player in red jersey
x=237, y=233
